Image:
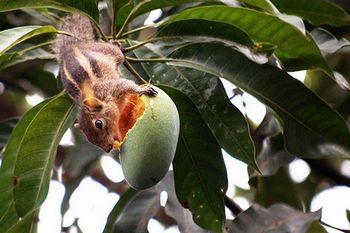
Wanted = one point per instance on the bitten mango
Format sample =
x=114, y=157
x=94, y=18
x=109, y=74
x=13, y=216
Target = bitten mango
x=149, y=145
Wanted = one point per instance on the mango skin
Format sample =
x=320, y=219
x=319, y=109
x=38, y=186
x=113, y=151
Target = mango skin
x=149, y=147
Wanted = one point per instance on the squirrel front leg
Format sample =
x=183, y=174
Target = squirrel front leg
x=118, y=87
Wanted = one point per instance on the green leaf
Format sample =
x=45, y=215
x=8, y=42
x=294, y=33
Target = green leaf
x=199, y=170
x=262, y=4
x=138, y=7
x=206, y=29
x=26, y=224
x=272, y=189
x=87, y=6
x=11, y=37
x=318, y=12
x=348, y=215
x=295, y=50
x=279, y=218
x=133, y=211
x=311, y=128
x=28, y=157
x=223, y=118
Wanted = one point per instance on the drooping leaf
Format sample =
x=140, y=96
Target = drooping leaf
x=199, y=171
x=294, y=49
x=14, y=36
x=87, y=6
x=311, y=128
x=28, y=158
x=273, y=155
x=133, y=211
x=6, y=128
x=278, y=218
x=224, y=119
x=327, y=42
x=317, y=12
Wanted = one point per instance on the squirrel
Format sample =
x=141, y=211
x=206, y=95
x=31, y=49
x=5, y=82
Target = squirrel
x=90, y=75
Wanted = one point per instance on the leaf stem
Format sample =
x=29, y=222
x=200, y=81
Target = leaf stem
x=133, y=71
x=159, y=59
x=113, y=21
x=120, y=32
x=132, y=47
x=34, y=47
x=138, y=29
x=231, y=205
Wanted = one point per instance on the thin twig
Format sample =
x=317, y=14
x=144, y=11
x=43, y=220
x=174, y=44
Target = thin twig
x=231, y=205
x=133, y=71
x=138, y=29
x=327, y=225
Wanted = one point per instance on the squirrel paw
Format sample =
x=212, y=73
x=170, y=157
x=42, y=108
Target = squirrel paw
x=148, y=90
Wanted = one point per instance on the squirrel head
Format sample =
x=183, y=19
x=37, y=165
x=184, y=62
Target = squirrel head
x=98, y=122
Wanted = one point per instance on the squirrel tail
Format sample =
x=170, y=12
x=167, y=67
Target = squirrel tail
x=78, y=25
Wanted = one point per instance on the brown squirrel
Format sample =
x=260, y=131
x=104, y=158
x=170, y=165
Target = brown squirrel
x=90, y=75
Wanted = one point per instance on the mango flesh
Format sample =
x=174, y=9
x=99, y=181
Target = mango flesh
x=149, y=145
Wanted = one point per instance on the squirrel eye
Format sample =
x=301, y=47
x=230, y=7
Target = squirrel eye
x=99, y=124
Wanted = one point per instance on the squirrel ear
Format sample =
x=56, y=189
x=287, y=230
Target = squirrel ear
x=92, y=104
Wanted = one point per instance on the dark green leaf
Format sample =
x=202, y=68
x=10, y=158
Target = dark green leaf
x=6, y=128
x=199, y=170
x=87, y=6
x=348, y=215
x=223, y=118
x=29, y=154
x=294, y=49
x=279, y=218
x=133, y=211
x=272, y=189
x=206, y=29
x=317, y=12
x=14, y=36
x=311, y=128
x=174, y=209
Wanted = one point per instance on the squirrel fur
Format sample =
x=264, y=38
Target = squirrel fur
x=89, y=70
